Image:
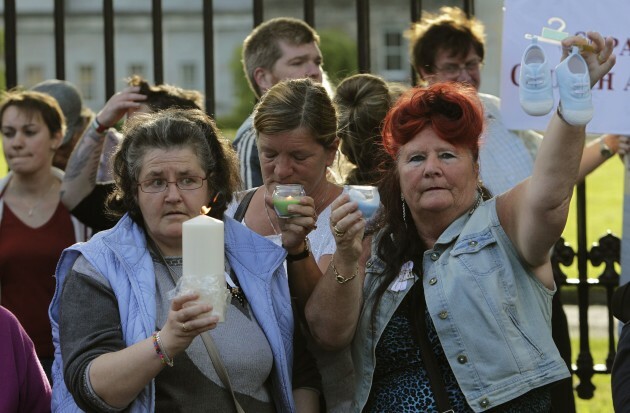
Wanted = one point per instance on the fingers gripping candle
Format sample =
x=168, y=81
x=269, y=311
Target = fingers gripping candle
x=204, y=266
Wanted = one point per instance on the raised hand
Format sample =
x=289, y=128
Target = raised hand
x=598, y=53
x=118, y=105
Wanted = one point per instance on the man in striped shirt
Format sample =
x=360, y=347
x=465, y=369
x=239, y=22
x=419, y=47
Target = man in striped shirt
x=279, y=49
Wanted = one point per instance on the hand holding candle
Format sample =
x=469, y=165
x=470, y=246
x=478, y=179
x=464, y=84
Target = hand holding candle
x=203, y=262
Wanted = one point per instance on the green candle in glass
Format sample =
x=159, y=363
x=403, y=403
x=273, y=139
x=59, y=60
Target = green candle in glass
x=285, y=195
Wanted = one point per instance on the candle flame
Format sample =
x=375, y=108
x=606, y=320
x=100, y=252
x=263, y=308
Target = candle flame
x=206, y=210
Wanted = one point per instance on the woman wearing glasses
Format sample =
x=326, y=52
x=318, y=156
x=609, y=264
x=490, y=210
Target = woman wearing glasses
x=143, y=351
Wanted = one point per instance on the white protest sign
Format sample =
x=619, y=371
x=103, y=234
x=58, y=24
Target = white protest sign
x=552, y=20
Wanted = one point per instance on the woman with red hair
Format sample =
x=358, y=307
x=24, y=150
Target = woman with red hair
x=451, y=306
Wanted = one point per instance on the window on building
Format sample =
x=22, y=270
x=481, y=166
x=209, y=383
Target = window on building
x=34, y=74
x=394, y=50
x=138, y=69
x=189, y=75
x=87, y=82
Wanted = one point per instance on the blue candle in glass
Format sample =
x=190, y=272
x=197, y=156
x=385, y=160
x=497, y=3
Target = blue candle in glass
x=366, y=196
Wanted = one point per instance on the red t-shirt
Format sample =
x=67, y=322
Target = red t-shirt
x=28, y=259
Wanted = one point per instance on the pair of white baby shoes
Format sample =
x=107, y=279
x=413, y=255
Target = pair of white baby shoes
x=572, y=76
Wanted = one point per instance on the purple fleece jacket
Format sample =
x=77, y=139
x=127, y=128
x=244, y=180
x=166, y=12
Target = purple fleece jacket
x=24, y=385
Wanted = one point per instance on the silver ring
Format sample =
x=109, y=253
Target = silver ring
x=184, y=328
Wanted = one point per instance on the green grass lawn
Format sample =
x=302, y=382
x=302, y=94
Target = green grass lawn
x=602, y=398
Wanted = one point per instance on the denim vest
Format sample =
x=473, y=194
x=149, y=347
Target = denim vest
x=120, y=254
x=493, y=317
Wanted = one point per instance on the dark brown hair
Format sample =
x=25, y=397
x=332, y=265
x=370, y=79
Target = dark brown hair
x=161, y=97
x=31, y=102
x=449, y=30
x=173, y=128
x=363, y=101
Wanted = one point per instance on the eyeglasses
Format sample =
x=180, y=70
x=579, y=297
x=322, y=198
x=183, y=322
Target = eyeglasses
x=157, y=185
x=453, y=70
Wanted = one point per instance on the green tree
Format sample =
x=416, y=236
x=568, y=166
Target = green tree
x=245, y=99
x=340, y=55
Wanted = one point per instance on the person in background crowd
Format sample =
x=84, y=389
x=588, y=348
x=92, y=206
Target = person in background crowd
x=363, y=101
x=88, y=180
x=449, y=46
x=449, y=266
x=25, y=387
x=144, y=351
x=278, y=49
x=620, y=377
x=34, y=225
x=621, y=373
x=78, y=117
x=296, y=127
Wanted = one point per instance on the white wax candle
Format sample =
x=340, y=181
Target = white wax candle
x=203, y=250
x=204, y=267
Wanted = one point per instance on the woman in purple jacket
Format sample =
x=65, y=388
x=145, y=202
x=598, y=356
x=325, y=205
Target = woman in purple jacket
x=24, y=386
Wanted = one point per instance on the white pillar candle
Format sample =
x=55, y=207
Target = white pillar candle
x=204, y=266
x=203, y=247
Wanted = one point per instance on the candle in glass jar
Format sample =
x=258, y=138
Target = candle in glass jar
x=281, y=205
x=366, y=196
x=285, y=195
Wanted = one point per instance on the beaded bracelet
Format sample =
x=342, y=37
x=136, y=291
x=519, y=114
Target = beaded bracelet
x=157, y=345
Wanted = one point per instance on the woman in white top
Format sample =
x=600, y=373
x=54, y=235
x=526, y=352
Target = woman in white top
x=296, y=125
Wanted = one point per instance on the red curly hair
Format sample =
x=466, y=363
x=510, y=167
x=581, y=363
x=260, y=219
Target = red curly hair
x=452, y=109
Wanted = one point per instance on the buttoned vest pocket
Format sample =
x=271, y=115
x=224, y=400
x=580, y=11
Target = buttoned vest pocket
x=478, y=253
